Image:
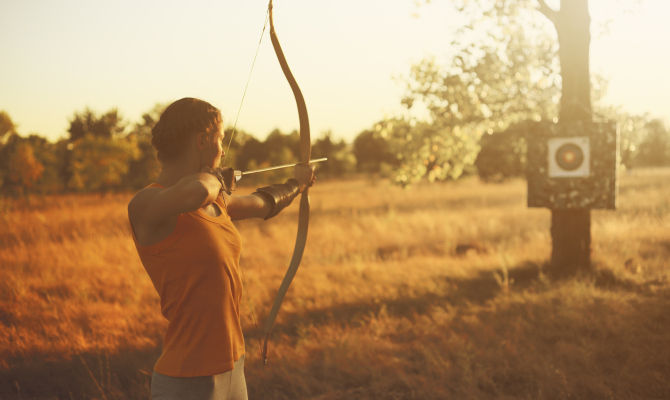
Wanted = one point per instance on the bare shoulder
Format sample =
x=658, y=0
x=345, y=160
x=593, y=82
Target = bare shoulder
x=149, y=217
x=156, y=204
x=140, y=203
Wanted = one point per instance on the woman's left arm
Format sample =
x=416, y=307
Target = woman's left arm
x=251, y=206
x=268, y=201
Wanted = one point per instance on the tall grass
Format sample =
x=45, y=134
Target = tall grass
x=429, y=293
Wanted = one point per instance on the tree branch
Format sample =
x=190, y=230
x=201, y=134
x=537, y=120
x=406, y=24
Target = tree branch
x=547, y=11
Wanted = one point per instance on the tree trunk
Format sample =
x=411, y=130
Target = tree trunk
x=571, y=229
x=574, y=37
x=571, y=241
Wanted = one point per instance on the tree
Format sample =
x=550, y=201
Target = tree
x=251, y=154
x=281, y=148
x=503, y=154
x=431, y=151
x=7, y=127
x=51, y=156
x=27, y=164
x=99, y=163
x=373, y=151
x=7, y=132
x=86, y=122
x=23, y=167
x=508, y=25
x=233, y=148
x=507, y=75
x=144, y=168
x=85, y=126
x=277, y=148
x=340, y=159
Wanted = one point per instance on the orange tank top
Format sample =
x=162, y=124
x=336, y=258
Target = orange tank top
x=195, y=271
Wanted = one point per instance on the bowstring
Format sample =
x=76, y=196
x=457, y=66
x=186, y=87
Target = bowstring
x=246, y=86
x=254, y=320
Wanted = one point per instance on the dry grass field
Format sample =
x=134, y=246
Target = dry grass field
x=436, y=292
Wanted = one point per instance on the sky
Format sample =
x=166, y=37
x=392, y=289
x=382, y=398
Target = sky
x=349, y=57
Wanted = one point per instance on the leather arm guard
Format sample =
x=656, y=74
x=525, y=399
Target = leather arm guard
x=279, y=195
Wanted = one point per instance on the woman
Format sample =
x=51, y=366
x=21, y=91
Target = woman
x=183, y=231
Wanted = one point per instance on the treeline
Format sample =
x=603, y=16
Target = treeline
x=103, y=152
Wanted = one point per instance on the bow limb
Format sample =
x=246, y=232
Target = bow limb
x=303, y=217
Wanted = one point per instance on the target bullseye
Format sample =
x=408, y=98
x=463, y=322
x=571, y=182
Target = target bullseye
x=569, y=156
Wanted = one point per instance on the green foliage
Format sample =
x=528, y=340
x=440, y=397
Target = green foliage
x=99, y=157
x=250, y=154
x=51, y=156
x=503, y=74
x=144, y=167
x=233, y=153
x=503, y=154
x=29, y=153
x=99, y=163
x=278, y=148
x=373, y=152
x=341, y=161
x=504, y=71
x=281, y=148
x=143, y=128
x=21, y=169
x=429, y=151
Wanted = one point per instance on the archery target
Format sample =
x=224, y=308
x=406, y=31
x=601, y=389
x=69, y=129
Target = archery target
x=569, y=157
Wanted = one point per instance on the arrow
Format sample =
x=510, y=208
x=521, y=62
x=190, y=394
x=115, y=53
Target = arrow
x=240, y=174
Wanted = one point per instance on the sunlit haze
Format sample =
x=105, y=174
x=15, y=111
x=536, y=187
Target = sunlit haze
x=61, y=57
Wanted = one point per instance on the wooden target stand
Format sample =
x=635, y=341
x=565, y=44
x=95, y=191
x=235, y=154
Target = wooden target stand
x=572, y=166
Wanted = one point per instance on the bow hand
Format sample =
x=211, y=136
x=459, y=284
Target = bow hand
x=304, y=174
x=226, y=177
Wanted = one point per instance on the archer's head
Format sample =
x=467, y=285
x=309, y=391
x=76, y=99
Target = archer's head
x=189, y=130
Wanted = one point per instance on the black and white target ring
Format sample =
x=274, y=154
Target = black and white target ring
x=569, y=156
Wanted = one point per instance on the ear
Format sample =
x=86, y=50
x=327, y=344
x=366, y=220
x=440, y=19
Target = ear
x=201, y=140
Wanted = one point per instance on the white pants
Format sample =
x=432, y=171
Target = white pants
x=229, y=385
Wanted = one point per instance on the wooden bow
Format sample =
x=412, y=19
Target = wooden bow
x=303, y=217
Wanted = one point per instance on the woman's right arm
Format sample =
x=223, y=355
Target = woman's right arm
x=151, y=208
